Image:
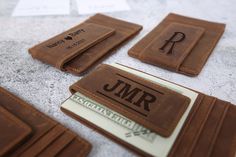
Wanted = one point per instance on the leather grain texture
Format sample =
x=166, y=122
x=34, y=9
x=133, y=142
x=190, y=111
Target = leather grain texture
x=179, y=43
x=62, y=48
x=151, y=105
x=80, y=47
x=10, y=122
x=123, y=32
x=209, y=130
x=47, y=137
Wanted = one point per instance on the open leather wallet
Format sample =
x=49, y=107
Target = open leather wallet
x=152, y=116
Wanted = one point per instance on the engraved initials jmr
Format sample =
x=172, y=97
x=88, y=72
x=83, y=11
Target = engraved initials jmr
x=124, y=91
x=175, y=38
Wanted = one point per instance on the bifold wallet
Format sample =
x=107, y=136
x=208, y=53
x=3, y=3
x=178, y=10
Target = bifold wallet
x=182, y=122
x=181, y=44
x=26, y=132
x=80, y=47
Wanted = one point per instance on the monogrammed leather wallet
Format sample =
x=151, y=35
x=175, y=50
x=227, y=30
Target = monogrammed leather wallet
x=152, y=116
x=80, y=47
x=179, y=43
x=26, y=132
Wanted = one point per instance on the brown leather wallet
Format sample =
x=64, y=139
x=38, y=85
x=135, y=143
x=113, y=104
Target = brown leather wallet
x=181, y=44
x=80, y=47
x=27, y=132
x=209, y=129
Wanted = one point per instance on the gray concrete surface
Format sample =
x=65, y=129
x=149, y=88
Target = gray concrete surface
x=46, y=87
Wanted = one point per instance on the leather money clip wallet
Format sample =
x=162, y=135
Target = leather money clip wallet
x=26, y=132
x=181, y=44
x=152, y=116
x=82, y=46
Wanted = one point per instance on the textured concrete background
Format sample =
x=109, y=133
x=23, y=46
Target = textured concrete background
x=46, y=87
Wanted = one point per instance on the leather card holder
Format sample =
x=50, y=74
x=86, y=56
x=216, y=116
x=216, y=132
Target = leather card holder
x=62, y=48
x=150, y=105
x=181, y=44
x=209, y=129
x=80, y=47
x=26, y=131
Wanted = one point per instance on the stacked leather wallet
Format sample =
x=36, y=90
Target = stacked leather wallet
x=80, y=47
x=26, y=132
x=181, y=122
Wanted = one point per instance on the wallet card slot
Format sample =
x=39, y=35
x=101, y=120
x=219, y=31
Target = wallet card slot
x=184, y=129
x=10, y=140
x=194, y=128
x=44, y=141
x=31, y=141
x=225, y=143
x=44, y=129
x=39, y=123
x=58, y=145
x=211, y=130
x=34, y=139
x=77, y=147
